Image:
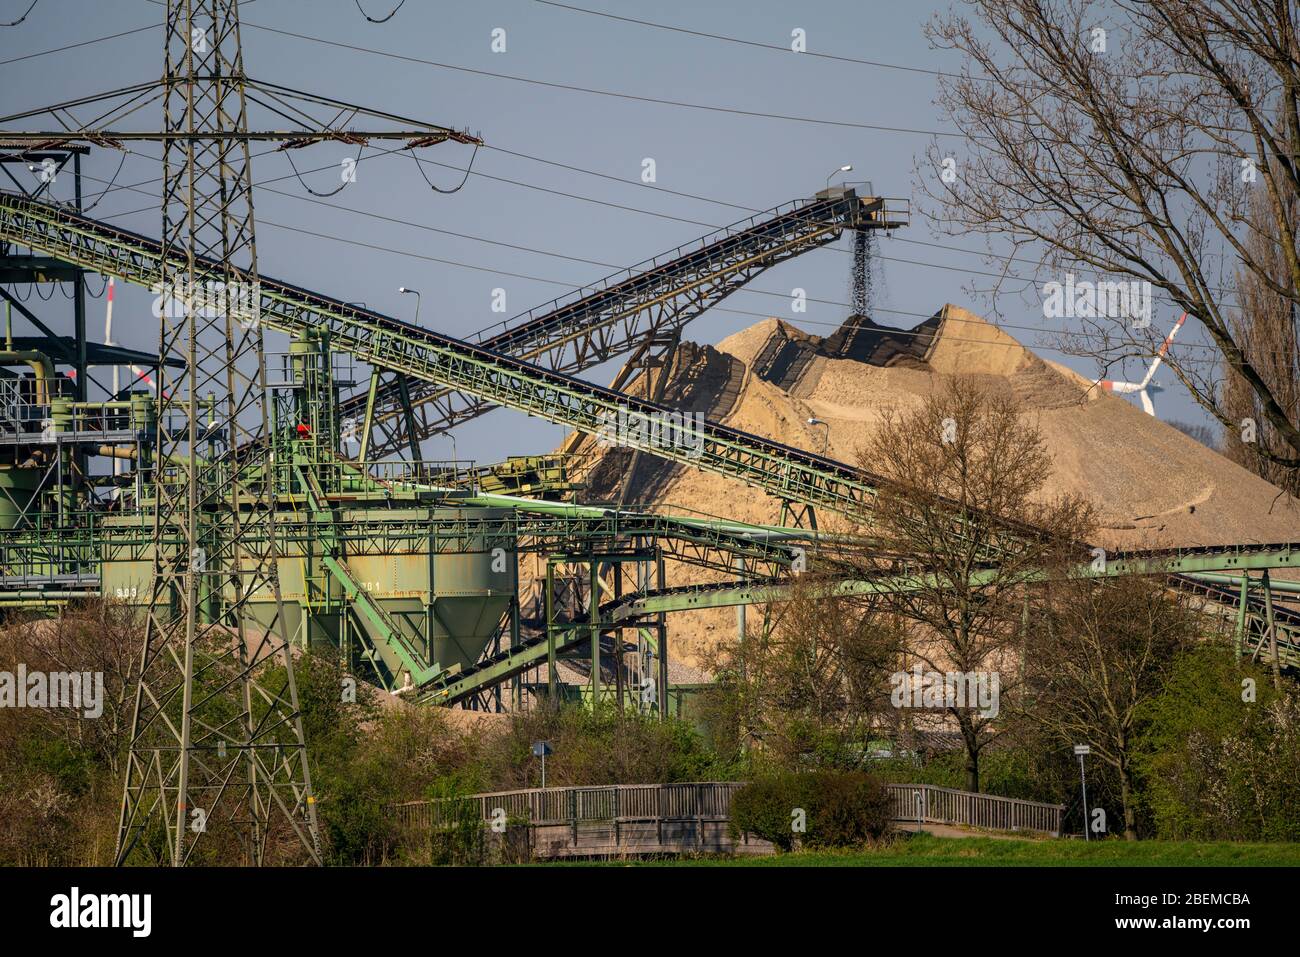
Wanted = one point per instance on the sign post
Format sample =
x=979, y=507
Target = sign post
x=1081, y=750
x=540, y=750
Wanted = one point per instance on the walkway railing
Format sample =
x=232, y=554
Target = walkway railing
x=710, y=799
x=671, y=818
x=612, y=821
x=935, y=805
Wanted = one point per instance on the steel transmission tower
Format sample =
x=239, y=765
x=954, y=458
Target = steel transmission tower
x=217, y=741
x=217, y=738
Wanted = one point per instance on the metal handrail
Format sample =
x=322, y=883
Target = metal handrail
x=932, y=804
x=711, y=800
x=645, y=266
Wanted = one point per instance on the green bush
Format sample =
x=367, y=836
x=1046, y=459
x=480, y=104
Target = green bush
x=1216, y=765
x=765, y=808
x=458, y=831
x=848, y=809
x=840, y=809
x=604, y=746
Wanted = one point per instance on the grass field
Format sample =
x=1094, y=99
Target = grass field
x=925, y=850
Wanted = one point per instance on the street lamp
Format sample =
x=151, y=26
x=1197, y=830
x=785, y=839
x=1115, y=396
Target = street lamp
x=455, y=458
x=847, y=168
x=826, y=436
x=416, y=293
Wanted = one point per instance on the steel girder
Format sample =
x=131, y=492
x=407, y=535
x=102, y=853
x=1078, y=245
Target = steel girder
x=1176, y=563
x=56, y=557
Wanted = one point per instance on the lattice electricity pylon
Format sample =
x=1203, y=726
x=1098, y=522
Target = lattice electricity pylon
x=201, y=755
x=217, y=737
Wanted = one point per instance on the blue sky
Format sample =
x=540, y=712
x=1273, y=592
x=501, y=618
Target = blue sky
x=561, y=227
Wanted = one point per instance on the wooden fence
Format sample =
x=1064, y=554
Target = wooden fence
x=711, y=799
x=602, y=821
x=676, y=818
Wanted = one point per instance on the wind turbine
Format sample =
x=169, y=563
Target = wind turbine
x=1146, y=388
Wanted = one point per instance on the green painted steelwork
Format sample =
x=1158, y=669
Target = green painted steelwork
x=388, y=631
x=1168, y=562
x=368, y=517
x=429, y=357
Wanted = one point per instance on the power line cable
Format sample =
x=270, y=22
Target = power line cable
x=753, y=43
x=573, y=286
x=573, y=88
x=501, y=272
x=83, y=43
x=390, y=16
x=468, y=172
x=469, y=169
x=288, y=154
x=829, y=56
x=748, y=313
x=989, y=254
x=109, y=188
x=714, y=226
x=23, y=17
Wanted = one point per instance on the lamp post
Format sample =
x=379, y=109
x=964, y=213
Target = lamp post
x=846, y=168
x=826, y=435
x=412, y=292
x=1081, y=750
x=455, y=458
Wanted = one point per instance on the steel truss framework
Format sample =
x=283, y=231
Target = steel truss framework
x=805, y=480
x=216, y=733
x=782, y=471
x=649, y=302
x=212, y=739
x=1263, y=628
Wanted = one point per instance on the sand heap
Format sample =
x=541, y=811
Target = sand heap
x=1152, y=485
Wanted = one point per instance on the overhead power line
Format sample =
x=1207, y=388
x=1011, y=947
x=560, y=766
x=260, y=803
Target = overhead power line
x=568, y=284
x=683, y=104
x=749, y=43
x=573, y=88
x=23, y=17
x=715, y=226
x=392, y=13
x=83, y=43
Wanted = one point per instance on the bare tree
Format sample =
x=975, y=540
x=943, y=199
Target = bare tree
x=962, y=468
x=1095, y=657
x=1124, y=140
x=1267, y=327
x=59, y=787
x=1205, y=434
x=812, y=685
